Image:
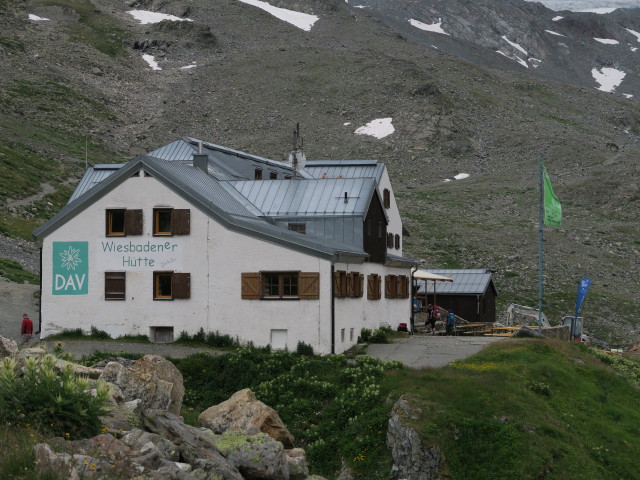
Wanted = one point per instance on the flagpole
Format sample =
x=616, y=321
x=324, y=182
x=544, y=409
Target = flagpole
x=540, y=223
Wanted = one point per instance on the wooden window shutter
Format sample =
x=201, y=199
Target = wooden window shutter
x=115, y=285
x=351, y=284
x=360, y=285
x=371, y=287
x=133, y=222
x=250, y=287
x=181, y=285
x=390, y=286
x=389, y=240
x=181, y=221
x=336, y=284
x=386, y=198
x=309, y=285
x=344, y=287
x=397, y=242
x=378, y=287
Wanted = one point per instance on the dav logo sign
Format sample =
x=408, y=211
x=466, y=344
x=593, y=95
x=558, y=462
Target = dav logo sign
x=70, y=268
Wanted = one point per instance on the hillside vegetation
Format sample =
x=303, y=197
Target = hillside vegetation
x=75, y=89
x=522, y=409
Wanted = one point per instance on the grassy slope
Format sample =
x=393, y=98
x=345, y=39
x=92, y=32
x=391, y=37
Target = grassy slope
x=529, y=409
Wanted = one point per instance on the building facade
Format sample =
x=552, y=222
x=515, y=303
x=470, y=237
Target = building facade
x=187, y=238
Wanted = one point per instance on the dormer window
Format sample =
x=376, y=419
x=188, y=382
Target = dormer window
x=386, y=198
x=273, y=175
x=257, y=174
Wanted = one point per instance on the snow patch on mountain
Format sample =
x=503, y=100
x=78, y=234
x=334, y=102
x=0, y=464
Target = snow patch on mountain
x=554, y=33
x=301, y=20
x=514, y=57
x=606, y=41
x=378, y=128
x=433, y=27
x=634, y=33
x=515, y=45
x=36, y=18
x=151, y=61
x=146, y=16
x=608, y=78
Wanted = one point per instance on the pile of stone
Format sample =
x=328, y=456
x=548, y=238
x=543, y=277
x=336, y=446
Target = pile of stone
x=145, y=438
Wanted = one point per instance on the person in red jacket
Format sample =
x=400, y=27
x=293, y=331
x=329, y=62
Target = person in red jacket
x=27, y=329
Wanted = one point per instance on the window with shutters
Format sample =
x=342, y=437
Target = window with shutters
x=121, y=222
x=389, y=240
x=280, y=285
x=171, y=221
x=171, y=285
x=115, y=285
x=386, y=198
x=373, y=286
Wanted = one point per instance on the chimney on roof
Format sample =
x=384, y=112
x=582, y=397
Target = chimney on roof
x=201, y=160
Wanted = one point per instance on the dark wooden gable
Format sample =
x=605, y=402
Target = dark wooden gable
x=375, y=231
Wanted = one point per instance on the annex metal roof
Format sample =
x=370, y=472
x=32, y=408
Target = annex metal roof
x=206, y=193
x=471, y=282
x=307, y=198
x=345, y=169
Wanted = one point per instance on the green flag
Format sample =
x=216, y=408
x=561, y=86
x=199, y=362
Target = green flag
x=552, y=207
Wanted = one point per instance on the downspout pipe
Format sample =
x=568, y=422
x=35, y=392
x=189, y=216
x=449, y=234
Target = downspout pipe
x=333, y=309
x=40, y=302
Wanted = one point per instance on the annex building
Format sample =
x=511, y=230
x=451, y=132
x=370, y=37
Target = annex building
x=194, y=235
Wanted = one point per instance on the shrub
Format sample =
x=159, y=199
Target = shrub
x=215, y=339
x=365, y=335
x=58, y=402
x=304, y=349
x=99, y=334
x=379, y=336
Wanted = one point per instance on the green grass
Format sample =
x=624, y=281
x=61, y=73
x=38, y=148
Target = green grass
x=529, y=409
x=12, y=270
x=99, y=30
x=17, y=461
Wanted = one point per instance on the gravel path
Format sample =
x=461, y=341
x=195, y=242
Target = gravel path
x=414, y=352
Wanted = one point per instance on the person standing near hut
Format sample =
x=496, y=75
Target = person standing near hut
x=431, y=319
x=26, y=330
x=451, y=323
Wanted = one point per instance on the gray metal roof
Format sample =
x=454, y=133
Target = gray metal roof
x=472, y=282
x=206, y=193
x=345, y=169
x=224, y=162
x=306, y=198
x=93, y=176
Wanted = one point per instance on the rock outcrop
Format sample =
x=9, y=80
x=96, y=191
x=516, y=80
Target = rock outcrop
x=412, y=460
x=8, y=347
x=152, y=379
x=243, y=412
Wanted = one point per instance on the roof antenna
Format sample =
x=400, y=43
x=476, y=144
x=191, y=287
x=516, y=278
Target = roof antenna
x=297, y=158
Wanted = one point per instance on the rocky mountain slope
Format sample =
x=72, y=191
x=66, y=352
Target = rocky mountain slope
x=77, y=90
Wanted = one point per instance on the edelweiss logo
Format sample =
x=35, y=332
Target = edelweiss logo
x=70, y=258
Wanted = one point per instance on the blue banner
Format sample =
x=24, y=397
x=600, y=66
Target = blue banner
x=583, y=288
